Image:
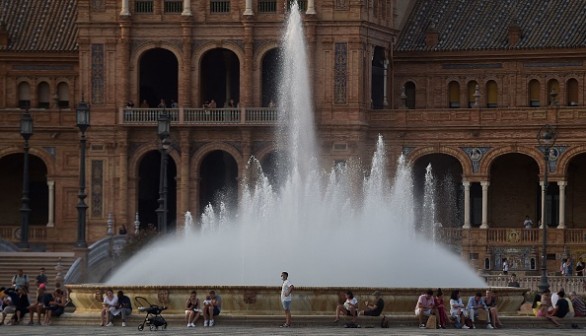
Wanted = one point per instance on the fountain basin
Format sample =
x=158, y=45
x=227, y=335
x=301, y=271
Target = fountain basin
x=265, y=300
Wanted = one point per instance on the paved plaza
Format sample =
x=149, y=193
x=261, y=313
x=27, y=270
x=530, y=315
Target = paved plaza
x=271, y=331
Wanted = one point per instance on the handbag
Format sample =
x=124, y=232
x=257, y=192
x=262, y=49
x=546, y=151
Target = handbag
x=431, y=322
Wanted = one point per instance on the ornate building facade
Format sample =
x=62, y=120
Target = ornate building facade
x=465, y=86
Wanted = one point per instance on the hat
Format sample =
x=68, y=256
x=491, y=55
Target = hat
x=43, y=286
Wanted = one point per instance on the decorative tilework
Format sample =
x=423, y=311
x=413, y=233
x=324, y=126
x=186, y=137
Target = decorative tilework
x=97, y=187
x=554, y=154
x=475, y=154
x=517, y=258
x=340, y=73
x=98, y=5
x=407, y=150
x=97, y=76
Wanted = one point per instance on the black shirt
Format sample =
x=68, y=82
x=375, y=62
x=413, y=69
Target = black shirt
x=562, y=308
x=380, y=305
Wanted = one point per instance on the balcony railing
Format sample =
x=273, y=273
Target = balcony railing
x=201, y=116
x=12, y=233
x=267, y=6
x=173, y=6
x=143, y=6
x=568, y=283
x=219, y=6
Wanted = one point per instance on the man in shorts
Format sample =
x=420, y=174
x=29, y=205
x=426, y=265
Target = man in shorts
x=286, y=290
x=212, y=306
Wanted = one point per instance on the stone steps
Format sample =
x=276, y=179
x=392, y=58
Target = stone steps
x=31, y=262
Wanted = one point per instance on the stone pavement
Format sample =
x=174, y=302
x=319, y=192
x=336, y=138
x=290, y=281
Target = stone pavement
x=36, y=330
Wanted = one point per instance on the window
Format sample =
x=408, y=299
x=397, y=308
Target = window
x=471, y=91
x=173, y=6
x=267, y=6
x=553, y=89
x=491, y=94
x=43, y=95
x=302, y=5
x=454, y=94
x=572, y=92
x=63, y=95
x=410, y=95
x=534, y=88
x=143, y=6
x=24, y=95
x=219, y=6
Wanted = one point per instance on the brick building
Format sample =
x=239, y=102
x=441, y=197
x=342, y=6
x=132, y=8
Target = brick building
x=463, y=85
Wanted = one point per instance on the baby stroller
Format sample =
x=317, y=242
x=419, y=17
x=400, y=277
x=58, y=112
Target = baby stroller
x=153, y=318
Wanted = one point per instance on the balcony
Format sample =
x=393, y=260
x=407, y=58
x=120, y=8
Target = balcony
x=260, y=116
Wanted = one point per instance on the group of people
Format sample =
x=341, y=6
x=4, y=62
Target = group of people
x=212, y=305
x=464, y=316
x=15, y=301
x=557, y=306
x=567, y=268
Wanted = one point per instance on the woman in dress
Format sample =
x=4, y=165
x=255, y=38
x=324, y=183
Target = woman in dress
x=192, y=310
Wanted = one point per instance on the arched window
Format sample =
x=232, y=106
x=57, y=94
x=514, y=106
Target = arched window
x=534, y=88
x=491, y=94
x=24, y=95
x=410, y=95
x=471, y=91
x=572, y=92
x=43, y=95
x=553, y=90
x=63, y=95
x=454, y=94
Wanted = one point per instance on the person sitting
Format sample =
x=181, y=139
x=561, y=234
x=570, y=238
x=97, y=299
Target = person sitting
x=579, y=305
x=513, y=282
x=490, y=301
x=22, y=305
x=560, y=310
x=39, y=306
x=212, y=307
x=441, y=308
x=376, y=308
x=55, y=307
x=475, y=305
x=424, y=307
x=8, y=305
x=192, y=309
x=457, y=310
x=348, y=308
x=109, y=308
x=125, y=306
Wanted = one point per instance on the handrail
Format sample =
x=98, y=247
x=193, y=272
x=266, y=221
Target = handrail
x=132, y=116
x=568, y=283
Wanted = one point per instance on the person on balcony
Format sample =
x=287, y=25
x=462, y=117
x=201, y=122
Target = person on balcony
x=212, y=104
x=230, y=104
x=528, y=223
x=162, y=104
x=580, y=267
x=144, y=104
x=505, y=266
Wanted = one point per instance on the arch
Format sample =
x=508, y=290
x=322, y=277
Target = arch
x=491, y=155
x=465, y=162
x=158, y=77
x=219, y=77
x=63, y=95
x=471, y=88
x=43, y=95
x=454, y=94
x=377, y=88
x=47, y=159
x=566, y=157
x=410, y=95
x=269, y=76
x=534, y=90
x=24, y=94
x=259, y=57
x=553, y=89
x=198, y=156
x=491, y=94
x=141, y=151
x=572, y=92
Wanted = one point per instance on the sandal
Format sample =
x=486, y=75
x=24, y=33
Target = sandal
x=285, y=325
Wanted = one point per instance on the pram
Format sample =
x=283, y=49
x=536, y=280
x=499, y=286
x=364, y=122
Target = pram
x=153, y=318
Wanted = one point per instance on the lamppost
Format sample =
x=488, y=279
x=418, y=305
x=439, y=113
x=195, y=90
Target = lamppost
x=163, y=130
x=83, y=122
x=26, y=130
x=546, y=138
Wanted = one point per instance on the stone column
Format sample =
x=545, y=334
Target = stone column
x=248, y=10
x=51, y=219
x=542, y=204
x=386, y=78
x=186, y=8
x=124, y=62
x=123, y=202
x=125, y=11
x=184, y=94
x=246, y=98
x=310, y=7
x=484, y=185
x=184, y=173
x=466, y=185
x=562, y=220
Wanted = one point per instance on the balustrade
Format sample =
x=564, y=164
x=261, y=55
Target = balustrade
x=201, y=116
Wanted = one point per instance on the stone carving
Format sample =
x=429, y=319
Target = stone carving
x=340, y=73
x=97, y=74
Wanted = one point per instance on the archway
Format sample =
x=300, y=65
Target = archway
x=148, y=190
x=158, y=76
x=377, y=94
x=11, y=169
x=576, y=192
x=514, y=191
x=448, y=194
x=218, y=180
x=270, y=77
x=220, y=76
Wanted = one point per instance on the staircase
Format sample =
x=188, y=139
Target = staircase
x=31, y=262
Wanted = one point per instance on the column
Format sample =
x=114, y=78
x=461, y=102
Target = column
x=310, y=7
x=542, y=204
x=386, y=78
x=185, y=90
x=484, y=185
x=123, y=63
x=562, y=221
x=125, y=10
x=248, y=10
x=183, y=185
x=51, y=220
x=121, y=207
x=246, y=88
x=466, y=185
x=186, y=8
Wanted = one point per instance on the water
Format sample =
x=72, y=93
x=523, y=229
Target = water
x=340, y=228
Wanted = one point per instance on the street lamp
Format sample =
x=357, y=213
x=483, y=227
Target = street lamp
x=26, y=130
x=546, y=138
x=83, y=122
x=163, y=130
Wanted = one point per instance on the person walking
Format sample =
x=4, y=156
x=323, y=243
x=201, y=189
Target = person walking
x=286, y=290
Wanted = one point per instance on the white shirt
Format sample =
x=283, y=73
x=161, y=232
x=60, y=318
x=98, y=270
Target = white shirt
x=284, y=289
x=113, y=304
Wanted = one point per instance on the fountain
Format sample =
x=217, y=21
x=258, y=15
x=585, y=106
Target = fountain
x=325, y=231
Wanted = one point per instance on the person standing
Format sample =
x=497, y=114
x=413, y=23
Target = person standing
x=505, y=266
x=42, y=277
x=528, y=223
x=580, y=267
x=286, y=290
